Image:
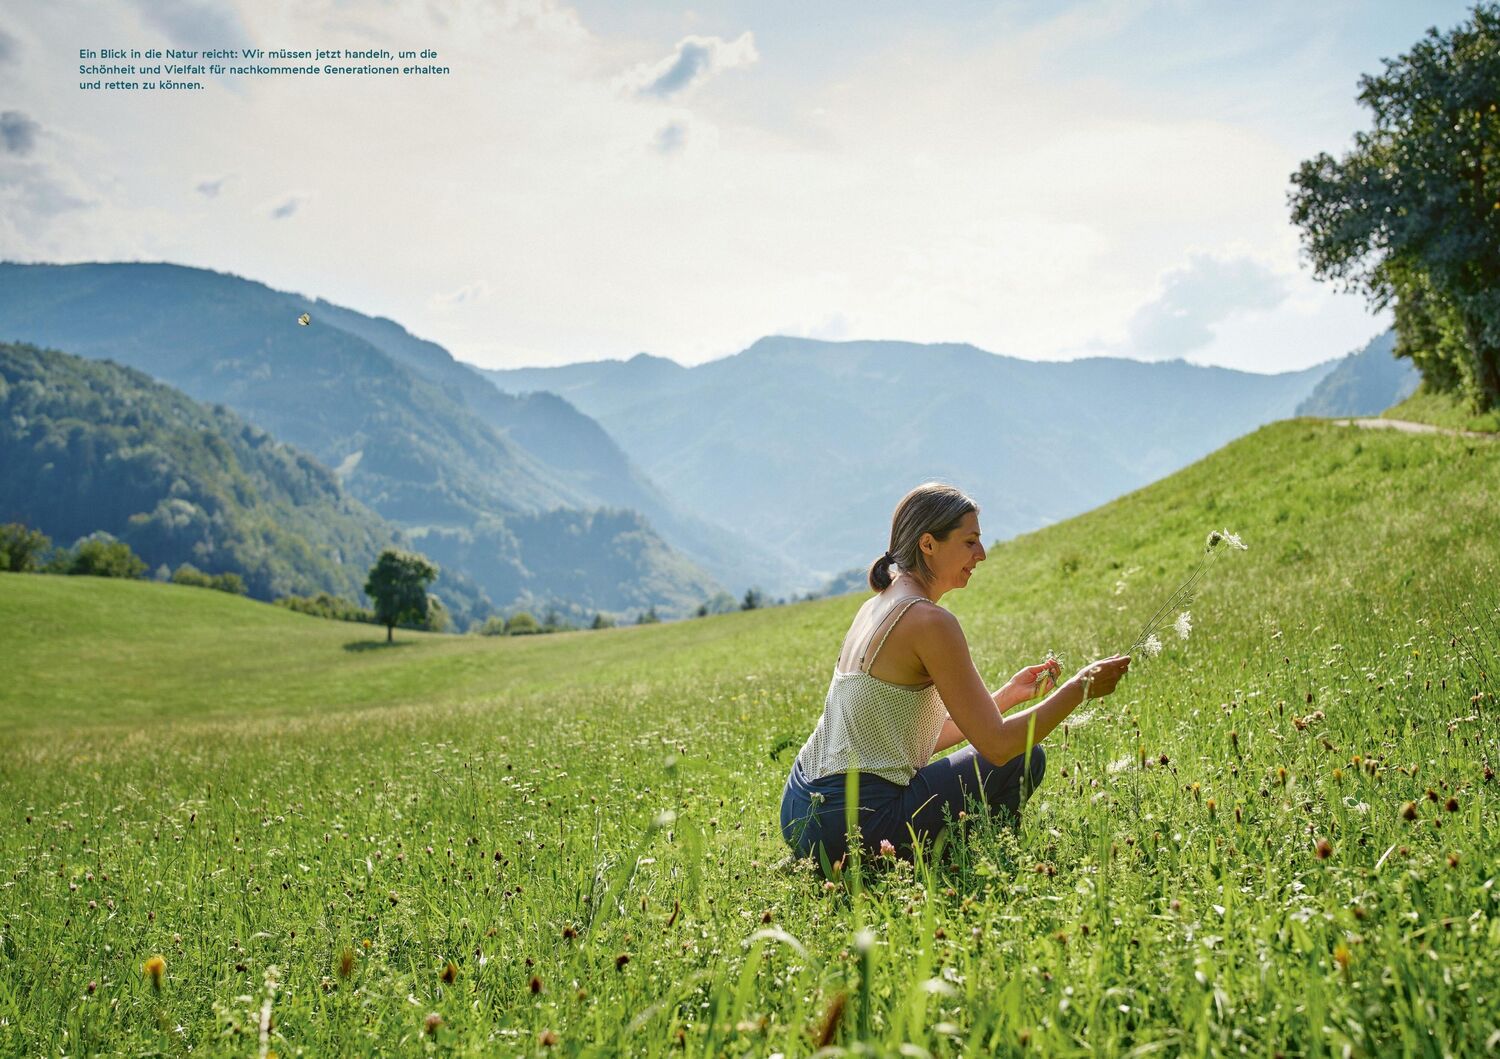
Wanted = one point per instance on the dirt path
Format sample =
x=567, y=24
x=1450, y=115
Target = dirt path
x=1406, y=426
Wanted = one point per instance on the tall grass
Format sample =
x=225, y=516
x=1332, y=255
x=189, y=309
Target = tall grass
x=309, y=833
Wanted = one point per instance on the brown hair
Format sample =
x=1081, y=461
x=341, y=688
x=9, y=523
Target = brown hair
x=931, y=507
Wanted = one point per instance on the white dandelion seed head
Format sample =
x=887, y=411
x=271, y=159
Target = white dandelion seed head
x=1151, y=645
x=1184, y=624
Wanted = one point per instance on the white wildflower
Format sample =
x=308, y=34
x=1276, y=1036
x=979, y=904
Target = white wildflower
x=1151, y=645
x=1233, y=540
x=1184, y=624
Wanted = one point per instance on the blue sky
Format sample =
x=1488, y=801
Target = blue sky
x=601, y=178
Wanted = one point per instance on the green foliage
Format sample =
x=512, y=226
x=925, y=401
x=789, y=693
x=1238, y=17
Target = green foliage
x=1411, y=215
x=178, y=757
x=188, y=574
x=648, y=617
x=398, y=586
x=522, y=624
x=22, y=548
x=754, y=599
x=98, y=555
x=602, y=621
x=494, y=625
x=90, y=445
x=327, y=605
x=1444, y=410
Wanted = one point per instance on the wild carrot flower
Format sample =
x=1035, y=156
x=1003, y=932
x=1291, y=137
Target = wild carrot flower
x=1183, y=626
x=1184, y=592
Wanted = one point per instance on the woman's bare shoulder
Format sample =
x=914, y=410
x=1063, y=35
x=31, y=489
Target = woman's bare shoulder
x=928, y=618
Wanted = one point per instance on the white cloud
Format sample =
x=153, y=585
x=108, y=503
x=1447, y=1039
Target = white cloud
x=950, y=188
x=468, y=294
x=1195, y=299
x=692, y=62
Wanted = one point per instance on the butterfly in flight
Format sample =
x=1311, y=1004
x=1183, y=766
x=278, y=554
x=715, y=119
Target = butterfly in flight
x=304, y=319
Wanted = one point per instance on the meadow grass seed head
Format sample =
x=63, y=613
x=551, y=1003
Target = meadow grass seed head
x=547, y=1039
x=828, y=1026
x=449, y=973
x=346, y=962
x=155, y=968
x=1451, y=805
x=1324, y=849
x=432, y=1023
x=1409, y=811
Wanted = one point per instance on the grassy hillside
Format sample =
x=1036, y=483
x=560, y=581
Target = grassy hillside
x=1442, y=410
x=302, y=822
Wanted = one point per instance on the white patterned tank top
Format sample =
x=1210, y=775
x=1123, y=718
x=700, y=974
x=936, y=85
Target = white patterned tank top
x=890, y=730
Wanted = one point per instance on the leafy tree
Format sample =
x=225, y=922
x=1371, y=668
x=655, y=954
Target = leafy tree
x=602, y=622
x=398, y=586
x=188, y=574
x=22, y=548
x=327, y=605
x=494, y=625
x=754, y=599
x=522, y=623
x=98, y=555
x=649, y=616
x=1411, y=216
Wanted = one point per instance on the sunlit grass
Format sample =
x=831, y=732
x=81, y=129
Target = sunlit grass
x=568, y=844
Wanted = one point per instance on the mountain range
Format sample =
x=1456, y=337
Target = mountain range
x=413, y=434
x=808, y=445
x=621, y=485
x=89, y=446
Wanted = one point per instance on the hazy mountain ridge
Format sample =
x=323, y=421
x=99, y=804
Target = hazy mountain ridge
x=89, y=445
x=402, y=440
x=577, y=449
x=1364, y=383
x=809, y=444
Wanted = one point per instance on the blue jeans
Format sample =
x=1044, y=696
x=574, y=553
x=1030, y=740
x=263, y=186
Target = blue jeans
x=812, y=811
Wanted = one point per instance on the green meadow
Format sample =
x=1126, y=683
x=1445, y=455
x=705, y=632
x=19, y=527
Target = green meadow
x=232, y=829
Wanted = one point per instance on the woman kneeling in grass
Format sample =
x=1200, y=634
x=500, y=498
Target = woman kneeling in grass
x=905, y=687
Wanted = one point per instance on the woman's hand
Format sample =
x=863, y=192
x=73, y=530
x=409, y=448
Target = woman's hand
x=1029, y=683
x=1099, y=678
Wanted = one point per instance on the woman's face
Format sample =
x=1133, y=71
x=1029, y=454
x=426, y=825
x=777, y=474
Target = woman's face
x=952, y=561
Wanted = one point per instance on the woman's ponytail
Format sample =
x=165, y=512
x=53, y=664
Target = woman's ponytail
x=880, y=572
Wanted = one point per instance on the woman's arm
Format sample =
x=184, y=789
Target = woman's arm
x=973, y=712
x=1020, y=688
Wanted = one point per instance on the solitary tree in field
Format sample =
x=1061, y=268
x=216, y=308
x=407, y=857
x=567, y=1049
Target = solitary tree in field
x=398, y=586
x=1411, y=216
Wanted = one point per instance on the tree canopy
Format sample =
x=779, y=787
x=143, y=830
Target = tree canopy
x=398, y=586
x=1410, y=216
